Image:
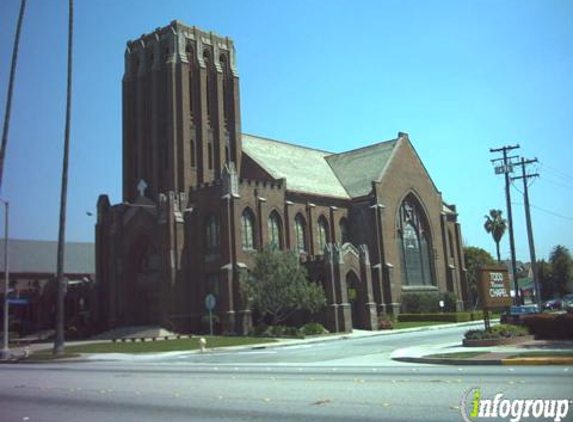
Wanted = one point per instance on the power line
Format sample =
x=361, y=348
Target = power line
x=556, y=183
x=551, y=212
x=556, y=172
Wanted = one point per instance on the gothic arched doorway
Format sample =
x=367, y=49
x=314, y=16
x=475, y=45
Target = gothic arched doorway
x=354, y=290
x=143, y=283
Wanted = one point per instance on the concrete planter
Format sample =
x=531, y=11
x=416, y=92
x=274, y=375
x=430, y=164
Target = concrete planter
x=496, y=341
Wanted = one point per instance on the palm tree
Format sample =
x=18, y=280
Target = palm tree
x=496, y=225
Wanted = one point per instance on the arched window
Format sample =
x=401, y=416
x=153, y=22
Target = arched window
x=189, y=53
x=192, y=148
x=344, y=238
x=414, y=244
x=451, y=241
x=323, y=237
x=207, y=61
x=274, y=226
x=300, y=233
x=212, y=234
x=226, y=102
x=247, y=230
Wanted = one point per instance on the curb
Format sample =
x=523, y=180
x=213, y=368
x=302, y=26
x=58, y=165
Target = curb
x=489, y=362
x=538, y=361
x=445, y=361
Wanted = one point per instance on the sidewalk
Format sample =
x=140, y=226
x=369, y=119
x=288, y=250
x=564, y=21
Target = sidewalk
x=494, y=355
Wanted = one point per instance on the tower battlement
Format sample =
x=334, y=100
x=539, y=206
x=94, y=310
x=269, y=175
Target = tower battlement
x=175, y=43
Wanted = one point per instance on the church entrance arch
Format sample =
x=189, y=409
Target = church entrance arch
x=143, y=283
x=355, y=298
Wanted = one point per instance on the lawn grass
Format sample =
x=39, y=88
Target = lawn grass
x=163, y=345
x=564, y=354
x=456, y=355
x=414, y=324
x=49, y=355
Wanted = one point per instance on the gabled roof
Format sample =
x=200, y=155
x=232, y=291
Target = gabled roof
x=39, y=256
x=346, y=175
x=305, y=169
x=356, y=169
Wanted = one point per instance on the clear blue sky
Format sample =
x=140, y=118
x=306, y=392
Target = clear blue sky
x=458, y=76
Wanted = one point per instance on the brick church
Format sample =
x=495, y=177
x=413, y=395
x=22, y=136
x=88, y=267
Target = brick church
x=200, y=198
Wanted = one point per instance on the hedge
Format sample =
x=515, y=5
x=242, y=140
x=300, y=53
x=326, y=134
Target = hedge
x=550, y=326
x=447, y=317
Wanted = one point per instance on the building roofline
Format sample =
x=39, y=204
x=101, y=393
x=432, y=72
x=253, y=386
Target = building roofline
x=287, y=143
x=351, y=151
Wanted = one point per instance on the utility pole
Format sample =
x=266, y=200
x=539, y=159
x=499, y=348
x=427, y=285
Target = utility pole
x=59, y=340
x=5, y=354
x=505, y=169
x=525, y=176
x=8, y=110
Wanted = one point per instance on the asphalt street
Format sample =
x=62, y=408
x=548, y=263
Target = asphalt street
x=340, y=380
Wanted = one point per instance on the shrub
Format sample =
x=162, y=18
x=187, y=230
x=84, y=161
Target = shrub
x=261, y=330
x=385, y=324
x=416, y=303
x=550, y=326
x=497, y=332
x=450, y=301
x=264, y=330
x=313, y=328
x=452, y=317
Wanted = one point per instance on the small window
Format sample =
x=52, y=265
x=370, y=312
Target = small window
x=212, y=234
x=274, y=225
x=192, y=148
x=247, y=230
x=210, y=155
x=300, y=232
x=322, y=234
x=344, y=238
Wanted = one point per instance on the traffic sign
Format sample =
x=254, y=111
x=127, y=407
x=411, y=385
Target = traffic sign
x=210, y=302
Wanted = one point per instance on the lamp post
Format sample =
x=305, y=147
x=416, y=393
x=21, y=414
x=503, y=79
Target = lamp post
x=5, y=355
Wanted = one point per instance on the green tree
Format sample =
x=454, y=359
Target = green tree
x=496, y=225
x=278, y=286
x=475, y=258
x=561, y=269
x=545, y=276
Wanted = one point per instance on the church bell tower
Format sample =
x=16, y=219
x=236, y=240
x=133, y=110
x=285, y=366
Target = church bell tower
x=181, y=115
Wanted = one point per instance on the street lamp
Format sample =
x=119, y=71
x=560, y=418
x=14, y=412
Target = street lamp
x=5, y=354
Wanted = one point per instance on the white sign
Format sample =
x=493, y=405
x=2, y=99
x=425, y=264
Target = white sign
x=210, y=302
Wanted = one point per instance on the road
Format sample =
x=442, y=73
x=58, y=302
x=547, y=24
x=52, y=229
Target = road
x=373, y=350
x=340, y=380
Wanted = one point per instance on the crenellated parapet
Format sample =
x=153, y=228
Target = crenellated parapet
x=177, y=43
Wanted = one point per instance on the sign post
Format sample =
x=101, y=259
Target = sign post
x=493, y=290
x=210, y=303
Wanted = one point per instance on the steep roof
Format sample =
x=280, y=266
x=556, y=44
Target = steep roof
x=345, y=175
x=40, y=256
x=356, y=169
x=305, y=169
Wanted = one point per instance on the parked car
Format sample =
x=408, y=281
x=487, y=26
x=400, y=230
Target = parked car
x=567, y=303
x=551, y=305
x=514, y=314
